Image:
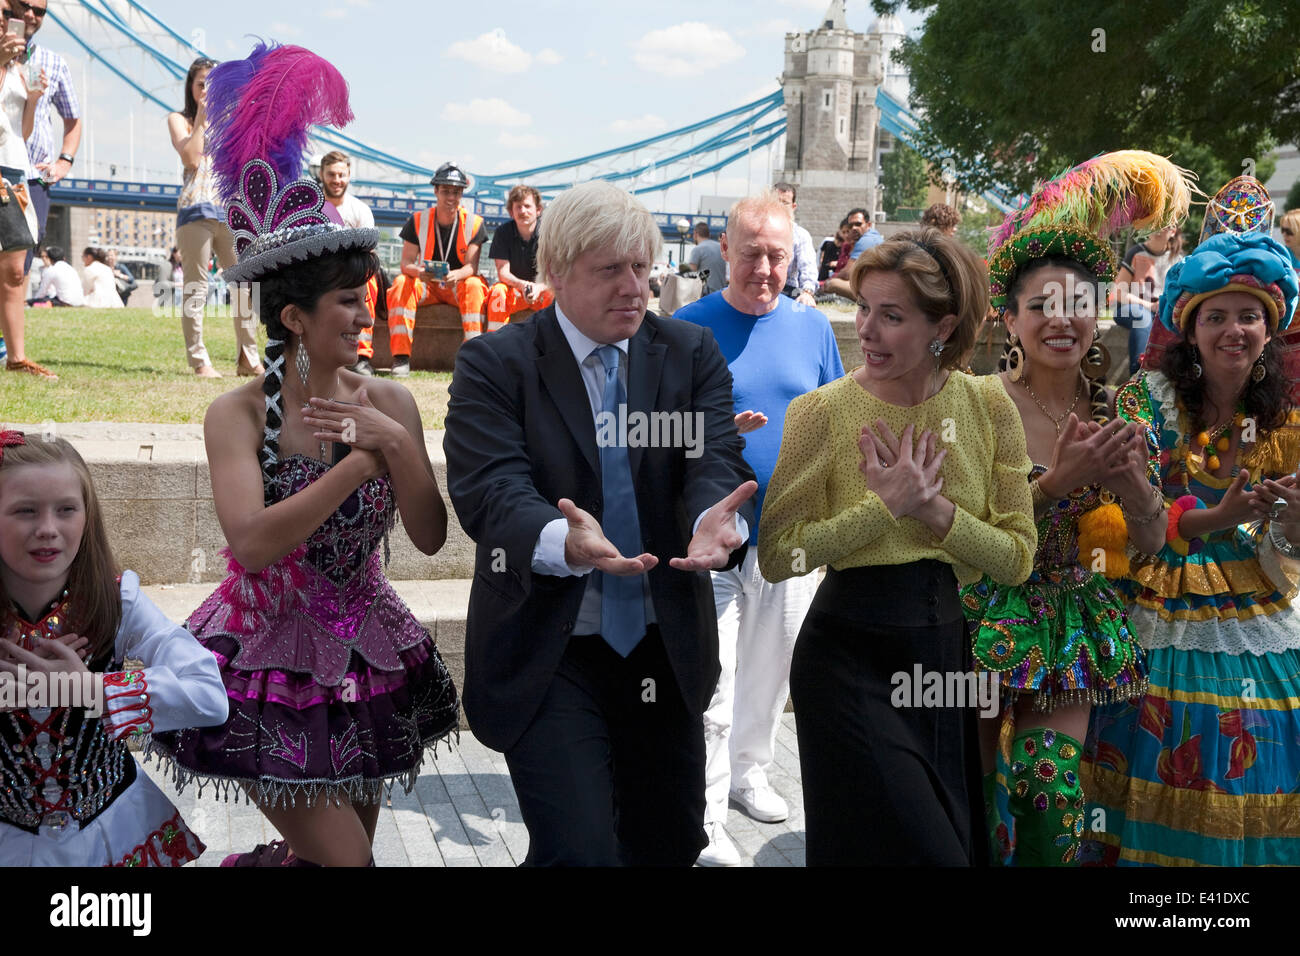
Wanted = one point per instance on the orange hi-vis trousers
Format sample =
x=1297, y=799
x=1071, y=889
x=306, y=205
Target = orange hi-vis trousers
x=503, y=302
x=366, y=340
x=407, y=294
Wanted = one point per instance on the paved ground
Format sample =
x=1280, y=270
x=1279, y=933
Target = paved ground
x=463, y=812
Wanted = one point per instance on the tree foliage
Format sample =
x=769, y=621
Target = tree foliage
x=1016, y=91
x=903, y=174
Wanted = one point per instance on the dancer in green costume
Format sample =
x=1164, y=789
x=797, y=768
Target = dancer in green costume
x=1061, y=642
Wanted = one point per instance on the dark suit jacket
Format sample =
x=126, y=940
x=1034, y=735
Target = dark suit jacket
x=521, y=436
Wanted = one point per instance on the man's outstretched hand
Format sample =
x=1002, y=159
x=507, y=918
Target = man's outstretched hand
x=585, y=546
x=716, y=537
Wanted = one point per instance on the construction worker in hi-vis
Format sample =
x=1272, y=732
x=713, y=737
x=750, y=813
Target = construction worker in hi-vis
x=440, y=253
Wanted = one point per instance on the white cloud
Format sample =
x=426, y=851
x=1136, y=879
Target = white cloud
x=494, y=51
x=335, y=13
x=493, y=112
x=359, y=3
x=646, y=125
x=685, y=49
x=509, y=165
x=520, y=140
x=282, y=29
x=775, y=27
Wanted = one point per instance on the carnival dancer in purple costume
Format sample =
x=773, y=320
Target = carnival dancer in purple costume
x=335, y=689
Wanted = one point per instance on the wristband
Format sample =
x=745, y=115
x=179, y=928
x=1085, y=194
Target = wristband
x=67, y=159
x=1173, y=537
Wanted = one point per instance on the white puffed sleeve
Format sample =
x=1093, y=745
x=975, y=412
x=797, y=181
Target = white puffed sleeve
x=179, y=684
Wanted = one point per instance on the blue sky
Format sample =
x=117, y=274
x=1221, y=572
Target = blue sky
x=517, y=84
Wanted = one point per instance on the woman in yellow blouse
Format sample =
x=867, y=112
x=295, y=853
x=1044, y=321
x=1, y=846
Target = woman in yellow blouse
x=907, y=478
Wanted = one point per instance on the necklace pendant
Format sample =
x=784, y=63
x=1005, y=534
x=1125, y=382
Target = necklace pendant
x=322, y=452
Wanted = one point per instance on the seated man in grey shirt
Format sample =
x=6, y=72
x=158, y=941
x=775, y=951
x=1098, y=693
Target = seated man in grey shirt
x=706, y=256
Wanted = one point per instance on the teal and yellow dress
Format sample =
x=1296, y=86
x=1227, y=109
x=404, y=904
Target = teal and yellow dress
x=1062, y=638
x=1205, y=768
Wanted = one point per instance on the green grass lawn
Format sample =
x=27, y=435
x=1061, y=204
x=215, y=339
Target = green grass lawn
x=128, y=365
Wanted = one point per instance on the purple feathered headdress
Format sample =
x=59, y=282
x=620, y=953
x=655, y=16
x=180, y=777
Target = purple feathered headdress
x=261, y=110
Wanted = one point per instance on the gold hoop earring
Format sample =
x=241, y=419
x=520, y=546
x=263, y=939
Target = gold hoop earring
x=1014, y=359
x=1096, y=362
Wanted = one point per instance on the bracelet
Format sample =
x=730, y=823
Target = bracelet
x=1155, y=513
x=67, y=159
x=1280, y=544
x=1174, y=537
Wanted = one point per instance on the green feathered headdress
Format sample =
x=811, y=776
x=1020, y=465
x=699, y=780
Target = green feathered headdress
x=1077, y=212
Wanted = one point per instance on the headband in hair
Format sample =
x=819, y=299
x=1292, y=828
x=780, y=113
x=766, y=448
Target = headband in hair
x=9, y=439
x=929, y=251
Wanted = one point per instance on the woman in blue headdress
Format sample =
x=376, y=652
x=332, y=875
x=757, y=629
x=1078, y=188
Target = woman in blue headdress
x=1205, y=768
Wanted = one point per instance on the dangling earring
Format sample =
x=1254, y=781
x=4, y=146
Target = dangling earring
x=1096, y=362
x=1197, y=371
x=302, y=361
x=936, y=349
x=1015, y=359
x=1259, y=372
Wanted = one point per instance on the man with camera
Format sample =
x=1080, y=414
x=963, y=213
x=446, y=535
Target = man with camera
x=440, y=252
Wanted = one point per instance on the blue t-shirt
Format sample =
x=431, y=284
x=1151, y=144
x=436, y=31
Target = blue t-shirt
x=774, y=359
x=869, y=238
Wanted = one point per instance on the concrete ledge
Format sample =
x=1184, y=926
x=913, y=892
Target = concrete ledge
x=155, y=489
x=438, y=334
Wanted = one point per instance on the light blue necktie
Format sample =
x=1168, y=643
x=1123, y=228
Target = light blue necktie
x=622, y=604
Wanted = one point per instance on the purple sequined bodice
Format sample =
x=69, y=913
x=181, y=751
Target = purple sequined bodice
x=322, y=602
x=342, y=546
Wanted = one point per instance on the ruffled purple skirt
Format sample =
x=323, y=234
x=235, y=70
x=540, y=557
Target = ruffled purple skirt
x=335, y=691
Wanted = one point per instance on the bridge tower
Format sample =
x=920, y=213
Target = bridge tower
x=830, y=79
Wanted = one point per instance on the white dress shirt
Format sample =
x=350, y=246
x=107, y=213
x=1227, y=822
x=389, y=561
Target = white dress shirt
x=548, y=553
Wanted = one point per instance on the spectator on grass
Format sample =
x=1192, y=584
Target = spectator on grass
x=97, y=280
x=201, y=229
x=60, y=284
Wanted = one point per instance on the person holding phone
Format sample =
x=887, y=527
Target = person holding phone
x=50, y=159
x=17, y=234
x=440, y=253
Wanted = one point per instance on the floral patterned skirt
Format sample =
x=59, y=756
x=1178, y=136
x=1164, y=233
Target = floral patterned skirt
x=1203, y=770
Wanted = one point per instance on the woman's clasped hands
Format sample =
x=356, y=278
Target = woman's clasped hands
x=904, y=470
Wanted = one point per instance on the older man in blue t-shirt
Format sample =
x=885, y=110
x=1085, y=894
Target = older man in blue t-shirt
x=777, y=350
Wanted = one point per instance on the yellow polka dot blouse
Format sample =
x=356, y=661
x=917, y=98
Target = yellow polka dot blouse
x=818, y=500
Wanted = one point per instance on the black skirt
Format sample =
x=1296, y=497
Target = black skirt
x=884, y=784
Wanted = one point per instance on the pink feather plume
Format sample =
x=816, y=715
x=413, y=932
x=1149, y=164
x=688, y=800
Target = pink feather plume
x=263, y=107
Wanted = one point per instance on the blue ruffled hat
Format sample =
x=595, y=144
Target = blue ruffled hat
x=1232, y=262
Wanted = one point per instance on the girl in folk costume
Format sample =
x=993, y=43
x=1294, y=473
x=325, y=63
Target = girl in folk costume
x=335, y=689
x=1203, y=769
x=70, y=791
x=1060, y=642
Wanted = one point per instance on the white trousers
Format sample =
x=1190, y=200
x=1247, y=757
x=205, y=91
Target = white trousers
x=757, y=626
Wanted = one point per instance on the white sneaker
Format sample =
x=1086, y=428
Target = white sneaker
x=720, y=851
x=762, y=803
